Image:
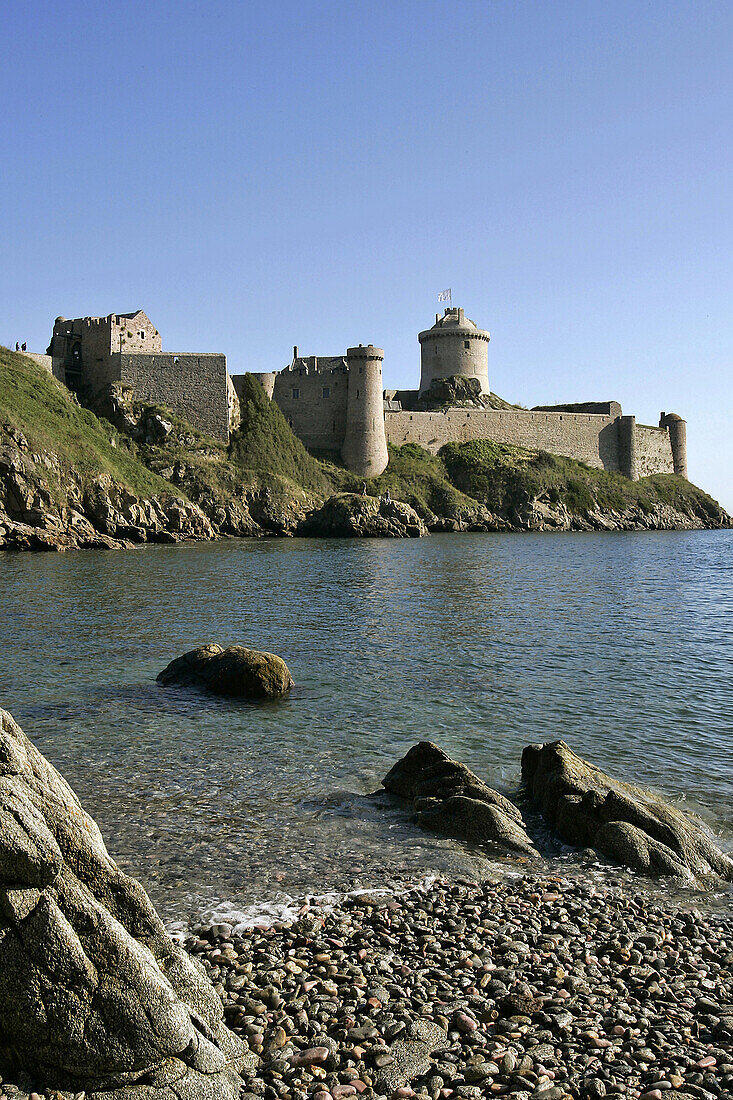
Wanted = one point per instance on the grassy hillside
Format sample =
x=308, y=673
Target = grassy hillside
x=34, y=403
x=264, y=444
x=503, y=477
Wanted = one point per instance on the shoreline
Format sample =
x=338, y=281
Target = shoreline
x=538, y=985
x=39, y=540
x=534, y=985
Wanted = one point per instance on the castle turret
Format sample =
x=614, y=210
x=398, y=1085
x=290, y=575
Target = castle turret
x=677, y=429
x=454, y=347
x=364, y=449
x=627, y=450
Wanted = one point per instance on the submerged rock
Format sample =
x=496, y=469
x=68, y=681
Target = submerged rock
x=449, y=798
x=349, y=515
x=94, y=994
x=232, y=671
x=589, y=809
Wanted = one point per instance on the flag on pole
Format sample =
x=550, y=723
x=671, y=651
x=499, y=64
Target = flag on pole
x=445, y=296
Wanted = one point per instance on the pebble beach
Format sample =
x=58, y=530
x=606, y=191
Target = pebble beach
x=534, y=986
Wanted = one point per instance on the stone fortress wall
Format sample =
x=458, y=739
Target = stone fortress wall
x=313, y=393
x=334, y=404
x=193, y=385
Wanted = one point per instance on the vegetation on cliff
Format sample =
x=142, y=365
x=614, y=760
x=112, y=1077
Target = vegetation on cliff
x=36, y=406
x=130, y=470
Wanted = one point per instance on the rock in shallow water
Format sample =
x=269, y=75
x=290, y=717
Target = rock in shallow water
x=449, y=798
x=234, y=671
x=94, y=994
x=588, y=808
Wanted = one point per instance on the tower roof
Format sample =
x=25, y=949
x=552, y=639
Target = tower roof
x=454, y=317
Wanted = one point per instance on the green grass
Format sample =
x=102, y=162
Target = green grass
x=264, y=444
x=42, y=409
x=421, y=480
x=504, y=478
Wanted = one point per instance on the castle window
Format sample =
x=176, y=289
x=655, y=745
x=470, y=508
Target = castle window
x=358, y=392
x=466, y=344
x=436, y=349
x=361, y=370
x=296, y=392
x=141, y=334
x=326, y=391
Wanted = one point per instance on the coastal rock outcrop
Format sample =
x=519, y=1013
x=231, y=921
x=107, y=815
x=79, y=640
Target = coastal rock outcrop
x=94, y=994
x=349, y=515
x=233, y=671
x=449, y=798
x=588, y=808
x=46, y=506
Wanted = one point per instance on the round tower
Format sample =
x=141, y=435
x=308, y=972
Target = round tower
x=677, y=428
x=454, y=347
x=364, y=449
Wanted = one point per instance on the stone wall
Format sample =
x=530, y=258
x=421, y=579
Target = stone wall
x=591, y=438
x=193, y=386
x=314, y=404
x=53, y=364
x=653, y=451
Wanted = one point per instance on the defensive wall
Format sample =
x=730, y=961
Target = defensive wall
x=334, y=404
x=603, y=441
x=193, y=385
x=312, y=394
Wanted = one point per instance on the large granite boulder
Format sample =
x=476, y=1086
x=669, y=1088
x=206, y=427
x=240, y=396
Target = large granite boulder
x=349, y=515
x=94, y=994
x=233, y=671
x=634, y=827
x=448, y=798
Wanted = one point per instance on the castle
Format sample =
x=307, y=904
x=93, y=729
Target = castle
x=338, y=406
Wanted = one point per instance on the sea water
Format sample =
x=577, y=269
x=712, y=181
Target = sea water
x=621, y=644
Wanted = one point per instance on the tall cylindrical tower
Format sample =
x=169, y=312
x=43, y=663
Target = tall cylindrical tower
x=627, y=452
x=364, y=449
x=677, y=428
x=454, y=347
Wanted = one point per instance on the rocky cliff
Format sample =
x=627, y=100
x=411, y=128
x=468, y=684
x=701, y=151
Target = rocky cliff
x=127, y=472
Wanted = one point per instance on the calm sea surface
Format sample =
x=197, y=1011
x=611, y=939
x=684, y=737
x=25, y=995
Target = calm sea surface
x=620, y=644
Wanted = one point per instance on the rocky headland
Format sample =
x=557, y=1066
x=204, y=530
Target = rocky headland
x=123, y=472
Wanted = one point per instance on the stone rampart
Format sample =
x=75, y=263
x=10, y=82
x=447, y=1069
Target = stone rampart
x=193, y=386
x=653, y=451
x=591, y=438
x=52, y=363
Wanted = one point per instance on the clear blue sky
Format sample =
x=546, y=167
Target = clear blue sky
x=261, y=175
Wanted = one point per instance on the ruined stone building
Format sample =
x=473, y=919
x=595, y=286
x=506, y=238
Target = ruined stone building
x=89, y=353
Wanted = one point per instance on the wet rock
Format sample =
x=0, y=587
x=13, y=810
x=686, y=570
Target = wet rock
x=94, y=994
x=236, y=670
x=349, y=515
x=632, y=826
x=449, y=798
